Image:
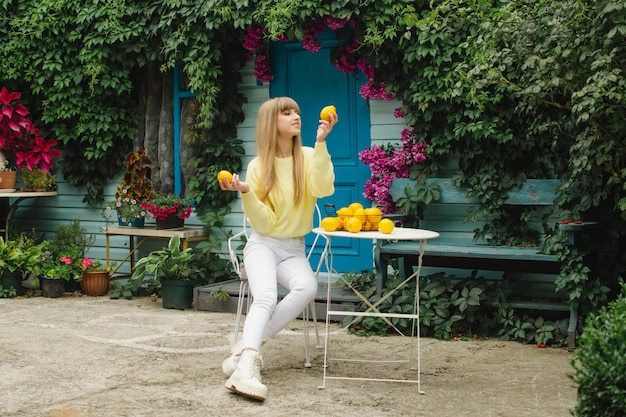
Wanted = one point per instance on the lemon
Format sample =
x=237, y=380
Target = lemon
x=353, y=225
x=386, y=226
x=326, y=112
x=373, y=215
x=223, y=174
x=355, y=206
x=359, y=213
x=344, y=212
x=330, y=224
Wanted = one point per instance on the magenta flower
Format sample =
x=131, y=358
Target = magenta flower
x=387, y=163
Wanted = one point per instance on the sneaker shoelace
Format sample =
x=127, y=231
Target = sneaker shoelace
x=255, y=369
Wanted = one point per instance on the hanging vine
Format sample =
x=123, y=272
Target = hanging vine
x=514, y=90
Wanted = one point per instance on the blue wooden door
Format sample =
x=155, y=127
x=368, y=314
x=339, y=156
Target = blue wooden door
x=311, y=80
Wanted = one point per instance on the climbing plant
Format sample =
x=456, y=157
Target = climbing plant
x=507, y=90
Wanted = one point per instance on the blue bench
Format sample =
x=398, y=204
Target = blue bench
x=458, y=251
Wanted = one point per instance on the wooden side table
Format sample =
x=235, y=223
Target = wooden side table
x=186, y=234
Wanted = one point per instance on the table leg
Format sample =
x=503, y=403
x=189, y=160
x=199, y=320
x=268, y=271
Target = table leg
x=131, y=243
x=415, y=330
x=12, y=208
x=108, y=256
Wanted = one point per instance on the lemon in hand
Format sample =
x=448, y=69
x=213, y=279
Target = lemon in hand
x=223, y=174
x=326, y=112
x=352, y=225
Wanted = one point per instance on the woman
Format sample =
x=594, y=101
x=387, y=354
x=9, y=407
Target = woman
x=279, y=195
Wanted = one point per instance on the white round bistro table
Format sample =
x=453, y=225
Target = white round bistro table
x=399, y=233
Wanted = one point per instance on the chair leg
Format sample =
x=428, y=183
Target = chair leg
x=307, y=350
x=243, y=289
x=308, y=314
x=318, y=343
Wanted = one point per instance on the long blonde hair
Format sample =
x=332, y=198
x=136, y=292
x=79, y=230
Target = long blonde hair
x=266, y=138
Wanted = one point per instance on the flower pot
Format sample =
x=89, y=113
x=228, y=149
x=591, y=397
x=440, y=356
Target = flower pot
x=172, y=221
x=177, y=294
x=7, y=180
x=138, y=222
x=12, y=280
x=95, y=283
x=52, y=288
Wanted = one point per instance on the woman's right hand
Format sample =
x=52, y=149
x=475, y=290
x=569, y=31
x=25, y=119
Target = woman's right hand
x=234, y=185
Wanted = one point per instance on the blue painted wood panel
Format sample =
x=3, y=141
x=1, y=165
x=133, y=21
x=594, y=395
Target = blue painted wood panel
x=314, y=82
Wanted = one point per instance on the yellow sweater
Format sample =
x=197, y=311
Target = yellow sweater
x=278, y=216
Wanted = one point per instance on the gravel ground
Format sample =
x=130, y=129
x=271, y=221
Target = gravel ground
x=96, y=357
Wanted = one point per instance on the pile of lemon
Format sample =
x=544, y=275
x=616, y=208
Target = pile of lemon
x=355, y=218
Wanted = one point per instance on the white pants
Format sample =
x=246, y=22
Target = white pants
x=270, y=261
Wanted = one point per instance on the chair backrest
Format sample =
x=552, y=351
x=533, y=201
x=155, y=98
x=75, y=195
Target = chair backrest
x=237, y=239
x=317, y=241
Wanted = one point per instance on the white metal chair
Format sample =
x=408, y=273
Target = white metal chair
x=244, y=297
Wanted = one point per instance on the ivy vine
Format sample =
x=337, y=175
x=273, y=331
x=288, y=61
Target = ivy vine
x=514, y=90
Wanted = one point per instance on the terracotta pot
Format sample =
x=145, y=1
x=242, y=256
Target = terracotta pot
x=7, y=180
x=95, y=283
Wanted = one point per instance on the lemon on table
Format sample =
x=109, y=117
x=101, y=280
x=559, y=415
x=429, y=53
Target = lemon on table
x=330, y=224
x=223, y=174
x=373, y=215
x=355, y=206
x=353, y=225
x=344, y=212
x=359, y=213
x=386, y=226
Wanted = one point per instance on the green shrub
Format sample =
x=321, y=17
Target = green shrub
x=600, y=362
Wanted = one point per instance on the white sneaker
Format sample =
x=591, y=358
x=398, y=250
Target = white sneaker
x=246, y=380
x=230, y=364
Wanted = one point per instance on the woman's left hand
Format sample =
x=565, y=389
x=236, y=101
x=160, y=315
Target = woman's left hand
x=325, y=127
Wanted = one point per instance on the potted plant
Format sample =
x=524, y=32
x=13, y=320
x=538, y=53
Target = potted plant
x=54, y=270
x=34, y=155
x=173, y=268
x=135, y=187
x=18, y=258
x=72, y=241
x=168, y=210
x=7, y=176
x=95, y=279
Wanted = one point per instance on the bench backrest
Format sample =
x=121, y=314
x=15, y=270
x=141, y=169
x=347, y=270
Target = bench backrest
x=533, y=192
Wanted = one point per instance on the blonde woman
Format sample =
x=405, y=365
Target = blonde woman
x=281, y=188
